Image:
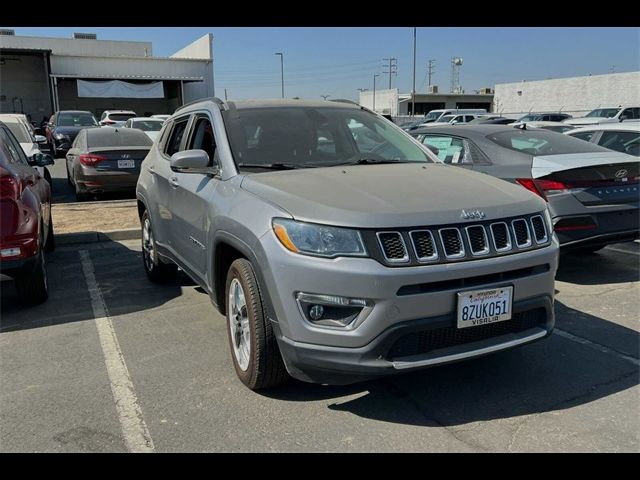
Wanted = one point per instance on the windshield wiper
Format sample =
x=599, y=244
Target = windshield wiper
x=273, y=166
x=374, y=161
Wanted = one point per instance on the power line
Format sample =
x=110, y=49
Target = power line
x=393, y=68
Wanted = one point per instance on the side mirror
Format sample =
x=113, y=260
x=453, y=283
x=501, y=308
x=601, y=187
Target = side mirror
x=42, y=160
x=192, y=161
x=41, y=139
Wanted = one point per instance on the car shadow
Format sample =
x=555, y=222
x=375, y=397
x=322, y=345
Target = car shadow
x=603, y=267
x=552, y=374
x=119, y=273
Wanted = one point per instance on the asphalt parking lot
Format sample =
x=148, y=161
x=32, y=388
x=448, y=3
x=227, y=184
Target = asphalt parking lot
x=113, y=362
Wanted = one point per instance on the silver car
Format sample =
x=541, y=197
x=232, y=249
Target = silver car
x=338, y=247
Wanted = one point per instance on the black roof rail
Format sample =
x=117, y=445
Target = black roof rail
x=216, y=100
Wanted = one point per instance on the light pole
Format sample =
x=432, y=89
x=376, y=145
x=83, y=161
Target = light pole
x=281, y=70
x=325, y=96
x=374, y=91
x=413, y=90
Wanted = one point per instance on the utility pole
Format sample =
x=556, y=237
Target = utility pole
x=325, y=96
x=281, y=70
x=374, y=91
x=431, y=67
x=413, y=90
x=225, y=94
x=393, y=68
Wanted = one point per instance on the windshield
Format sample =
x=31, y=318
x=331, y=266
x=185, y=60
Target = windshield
x=432, y=116
x=542, y=142
x=603, y=112
x=76, y=120
x=148, y=125
x=299, y=137
x=20, y=132
x=121, y=117
x=447, y=118
x=529, y=118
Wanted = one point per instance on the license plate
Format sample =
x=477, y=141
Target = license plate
x=479, y=307
x=126, y=164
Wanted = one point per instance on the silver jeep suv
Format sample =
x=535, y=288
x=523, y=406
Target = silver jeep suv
x=338, y=247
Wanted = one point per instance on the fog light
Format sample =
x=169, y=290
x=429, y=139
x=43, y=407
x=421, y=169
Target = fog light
x=333, y=310
x=10, y=252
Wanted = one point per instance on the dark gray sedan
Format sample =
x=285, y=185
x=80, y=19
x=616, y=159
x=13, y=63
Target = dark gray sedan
x=105, y=160
x=593, y=193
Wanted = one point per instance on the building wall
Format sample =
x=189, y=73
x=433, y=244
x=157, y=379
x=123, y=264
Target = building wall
x=202, y=48
x=575, y=95
x=76, y=46
x=24, y=85
x=386, y=101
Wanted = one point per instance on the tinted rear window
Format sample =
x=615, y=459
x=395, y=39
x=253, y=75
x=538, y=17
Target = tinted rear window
x=117, y=137
x=78, y=119
x=121, y=117
x=540, y=142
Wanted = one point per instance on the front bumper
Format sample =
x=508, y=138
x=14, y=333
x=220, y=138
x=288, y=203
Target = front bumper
x=414, y=345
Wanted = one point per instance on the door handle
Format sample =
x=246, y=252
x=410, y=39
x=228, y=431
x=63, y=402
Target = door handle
x=174, y=182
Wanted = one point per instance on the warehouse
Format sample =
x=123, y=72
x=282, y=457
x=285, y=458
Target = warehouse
x=574, y=95
x=39, y=75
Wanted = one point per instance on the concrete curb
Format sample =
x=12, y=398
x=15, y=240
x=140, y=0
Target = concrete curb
x=93, y=237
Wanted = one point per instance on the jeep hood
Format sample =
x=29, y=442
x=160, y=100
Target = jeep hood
x=387, y=196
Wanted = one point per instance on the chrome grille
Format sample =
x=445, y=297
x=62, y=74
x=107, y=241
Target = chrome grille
x=452, y=243
x=539, y=230
x=393, y=246
x=478, y=241
x=521, y=233
x=424, y=245
x=501, y=237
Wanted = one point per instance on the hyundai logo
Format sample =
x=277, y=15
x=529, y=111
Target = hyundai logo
x=622, y=173
x=472, y=215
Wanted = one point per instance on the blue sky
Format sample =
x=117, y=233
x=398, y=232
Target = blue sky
x=337, y=61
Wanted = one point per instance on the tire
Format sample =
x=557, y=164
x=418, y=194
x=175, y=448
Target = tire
x=50, y=245
x=80, y=195
x=33, y=287
x=157, y=270
x=54, y=152
x=66, y=167
x=254, y=349
x=47, y=177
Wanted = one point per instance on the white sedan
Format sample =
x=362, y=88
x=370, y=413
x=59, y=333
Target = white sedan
x=149, y=125
x=622, y=137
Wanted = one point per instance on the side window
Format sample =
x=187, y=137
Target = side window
x=631, y=113
x=450, y=149
x=202, y=137
x=625, y=142
x=175, y=138
x=77, y=143
x=16, y=150
x=7, y=154
x=586, y=136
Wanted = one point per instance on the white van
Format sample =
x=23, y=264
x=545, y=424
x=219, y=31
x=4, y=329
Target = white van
x=436, y=115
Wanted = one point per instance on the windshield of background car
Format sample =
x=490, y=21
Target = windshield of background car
x=432, y=115
x=541, y=142
x=117, y=137
x=314, y=137
x=447, y=118
x=20, y=132
x=603, y=112
x=121, y=117
x=76, y=120
x=148, y=125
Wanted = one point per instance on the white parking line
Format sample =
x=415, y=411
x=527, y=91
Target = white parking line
x=134, y=429
x=623, y=251
x=596, y=346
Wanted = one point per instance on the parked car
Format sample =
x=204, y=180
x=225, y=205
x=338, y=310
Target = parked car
x=545, y=117
x=28, y=143
x=607, y=115
x=592, y=192
x=63, y=127
x=341, y=261
x=452, y=120
x=492, y=120
x=105, y=160
x=436, y=115
x=622, y=137
x=162, y=117
x=559, y=127
x=26, y=229
x=150, y=126
x=116, y=118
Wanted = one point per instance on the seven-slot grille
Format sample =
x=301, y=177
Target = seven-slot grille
x=393, y=246
x=463, y=242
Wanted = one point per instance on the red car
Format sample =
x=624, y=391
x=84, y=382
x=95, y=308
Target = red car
x=26, y=229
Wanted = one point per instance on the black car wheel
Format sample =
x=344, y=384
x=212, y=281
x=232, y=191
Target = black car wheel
x=50, y=245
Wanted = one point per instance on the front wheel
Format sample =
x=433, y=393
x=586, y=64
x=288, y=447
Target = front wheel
x=156, y=269
x=255, y=353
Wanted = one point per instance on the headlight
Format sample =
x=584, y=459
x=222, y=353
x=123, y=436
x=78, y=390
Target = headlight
x=320, y=240
x=61, y=136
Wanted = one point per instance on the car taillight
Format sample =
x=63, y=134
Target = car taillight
x=91, y=160
x=10, y=187
x=108, y=122
x=543, y=187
